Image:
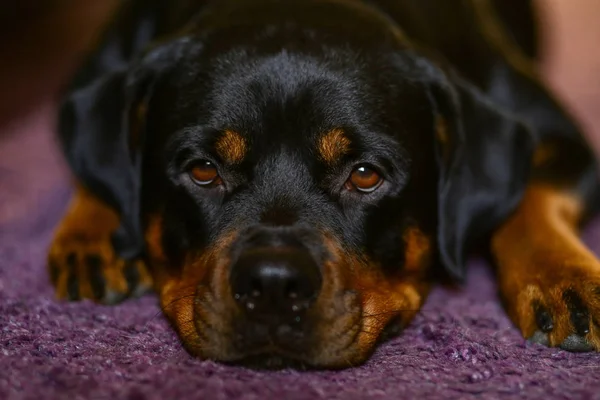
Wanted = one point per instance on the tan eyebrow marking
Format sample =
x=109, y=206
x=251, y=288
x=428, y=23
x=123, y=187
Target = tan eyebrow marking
x=232, y=147
x=333, y=145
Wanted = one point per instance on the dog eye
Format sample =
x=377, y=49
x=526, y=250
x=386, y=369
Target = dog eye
x=204, y=173
x=364, y=179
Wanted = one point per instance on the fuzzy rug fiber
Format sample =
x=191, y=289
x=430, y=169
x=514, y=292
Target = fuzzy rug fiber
x=460, y=346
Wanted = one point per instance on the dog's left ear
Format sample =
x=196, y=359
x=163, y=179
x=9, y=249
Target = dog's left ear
x=95, y=124
x=484, y=155
x=101, y=130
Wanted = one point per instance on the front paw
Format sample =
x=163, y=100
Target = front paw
x=81, y=267
x=563, y=314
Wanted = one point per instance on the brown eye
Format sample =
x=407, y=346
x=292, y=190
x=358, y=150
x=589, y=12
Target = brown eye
x=364, y=179
x=204, y=173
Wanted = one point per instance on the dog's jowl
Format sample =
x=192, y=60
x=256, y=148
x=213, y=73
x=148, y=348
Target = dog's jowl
x=292, y=177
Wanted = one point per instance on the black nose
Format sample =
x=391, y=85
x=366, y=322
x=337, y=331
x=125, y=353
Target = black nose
x=275, y=283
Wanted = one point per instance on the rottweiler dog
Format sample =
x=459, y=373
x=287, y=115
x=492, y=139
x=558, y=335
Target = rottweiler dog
x=292, y=177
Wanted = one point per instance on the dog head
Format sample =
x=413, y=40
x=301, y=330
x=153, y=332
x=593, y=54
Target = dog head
x=293, y=170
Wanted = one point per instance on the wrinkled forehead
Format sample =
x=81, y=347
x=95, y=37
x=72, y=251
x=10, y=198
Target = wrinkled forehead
x=285, y=94
x=291, y=79
x=290, y=100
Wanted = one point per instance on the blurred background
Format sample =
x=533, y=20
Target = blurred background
x=42, y=40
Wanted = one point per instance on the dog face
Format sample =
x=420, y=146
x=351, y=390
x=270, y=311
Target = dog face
x=296, y=203
x=298, y=177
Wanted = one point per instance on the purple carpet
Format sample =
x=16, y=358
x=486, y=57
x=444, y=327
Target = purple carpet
x=460, y=346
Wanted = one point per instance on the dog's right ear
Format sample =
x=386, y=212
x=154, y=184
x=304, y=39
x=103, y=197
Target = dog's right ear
x=101, y=130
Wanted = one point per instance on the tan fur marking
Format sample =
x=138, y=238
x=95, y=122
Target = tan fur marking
x=83, y=234
x=153, y=237
x=88, y=216
x=156, y=255
x=232, y=147
x=540, y=256
x=185, y=298
x=377, y=298
x=85, y=229
x=333, y=145
x=418, y=250
x=544, y=153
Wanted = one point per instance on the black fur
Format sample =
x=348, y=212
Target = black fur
x=283, y=72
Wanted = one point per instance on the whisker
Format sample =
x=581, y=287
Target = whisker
x=170, y=304
x=175, y=301
x=153, y=318
x=350, y=363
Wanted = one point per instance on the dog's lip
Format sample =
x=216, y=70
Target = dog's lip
x=271, y=343
x=272, y=357
x=271, y=350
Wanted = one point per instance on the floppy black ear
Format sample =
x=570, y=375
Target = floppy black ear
x=96, y=124
x=484, y=155
x=94, y=130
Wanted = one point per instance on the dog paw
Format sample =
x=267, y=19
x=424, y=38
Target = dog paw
x=81, y=267
x=565, y=315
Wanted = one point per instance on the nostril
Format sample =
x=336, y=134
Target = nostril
x=275, y=282
x=291, y=290
x=256, y=288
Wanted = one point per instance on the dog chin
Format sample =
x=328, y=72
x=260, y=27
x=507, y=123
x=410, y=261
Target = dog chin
x=271, y=360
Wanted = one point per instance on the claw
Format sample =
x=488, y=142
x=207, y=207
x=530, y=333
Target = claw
x=540, y=337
